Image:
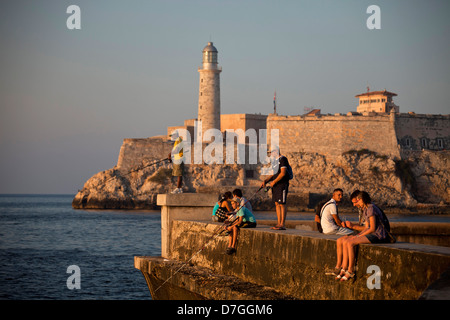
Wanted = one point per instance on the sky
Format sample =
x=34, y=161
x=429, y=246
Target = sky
x=68, y=97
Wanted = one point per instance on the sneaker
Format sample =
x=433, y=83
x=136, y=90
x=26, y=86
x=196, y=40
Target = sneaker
x=177, y=190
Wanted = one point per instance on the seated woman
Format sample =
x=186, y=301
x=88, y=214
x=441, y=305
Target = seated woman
x=242, y=219
x=373, y=232
x=222, y=208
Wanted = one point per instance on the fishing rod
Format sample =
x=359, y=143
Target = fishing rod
x=215, y=234
x=148, y=165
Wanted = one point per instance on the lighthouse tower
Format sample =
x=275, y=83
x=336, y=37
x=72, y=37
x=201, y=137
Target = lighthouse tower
x=209, y=90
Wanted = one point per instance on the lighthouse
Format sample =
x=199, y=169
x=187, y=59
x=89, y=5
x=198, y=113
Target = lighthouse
x=209, y=90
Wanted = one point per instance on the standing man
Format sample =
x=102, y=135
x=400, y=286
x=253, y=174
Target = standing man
x=279, y=182
x=176, y=157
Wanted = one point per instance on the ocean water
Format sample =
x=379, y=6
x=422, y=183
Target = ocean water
x=41, y=236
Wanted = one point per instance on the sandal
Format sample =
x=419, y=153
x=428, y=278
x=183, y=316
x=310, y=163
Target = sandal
x=348, y=276
x=278, y=228
x=341, y=274
x=333, y=272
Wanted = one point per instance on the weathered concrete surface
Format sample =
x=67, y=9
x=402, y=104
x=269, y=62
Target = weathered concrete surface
x=196, y=283
x=293, y=262
x=185, y=206
x=431, y=233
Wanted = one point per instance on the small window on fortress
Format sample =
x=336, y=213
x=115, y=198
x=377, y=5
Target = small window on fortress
x=423, y=143
x=408, y=142
x=249, y=174
x=440, y=143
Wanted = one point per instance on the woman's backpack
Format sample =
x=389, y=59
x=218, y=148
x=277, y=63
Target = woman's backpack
x=319, y=208
x=221, y=214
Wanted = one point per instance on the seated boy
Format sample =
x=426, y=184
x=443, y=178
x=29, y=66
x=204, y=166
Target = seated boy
x=243, y=218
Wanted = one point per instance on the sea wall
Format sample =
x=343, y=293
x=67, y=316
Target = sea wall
x=291, y=262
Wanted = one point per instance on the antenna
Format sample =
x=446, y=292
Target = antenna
x=275, y=102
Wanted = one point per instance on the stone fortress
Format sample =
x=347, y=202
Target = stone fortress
x=401, y=159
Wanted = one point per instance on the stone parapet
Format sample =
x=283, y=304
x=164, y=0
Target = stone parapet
x=186, y=206
x=293, y=262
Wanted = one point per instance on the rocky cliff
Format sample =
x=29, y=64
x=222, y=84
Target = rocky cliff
x=420, y=180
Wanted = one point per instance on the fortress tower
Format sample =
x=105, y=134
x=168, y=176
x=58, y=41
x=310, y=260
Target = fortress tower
x=209, y=90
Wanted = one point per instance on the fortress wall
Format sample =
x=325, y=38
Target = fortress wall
x=138, y=152
x=232, y=121
x=331, y=135
x=328, y=135
x=134, y=151
x=412, y=128
x=242, y=121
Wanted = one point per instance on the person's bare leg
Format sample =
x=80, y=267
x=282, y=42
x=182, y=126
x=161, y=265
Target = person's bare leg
x=277, y=209
x=235, y=236
x=351, y=251
x=283, y=213
x=339, y=252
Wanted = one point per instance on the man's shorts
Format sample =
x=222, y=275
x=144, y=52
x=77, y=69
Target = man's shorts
x=279, y=193
x=177, y=169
